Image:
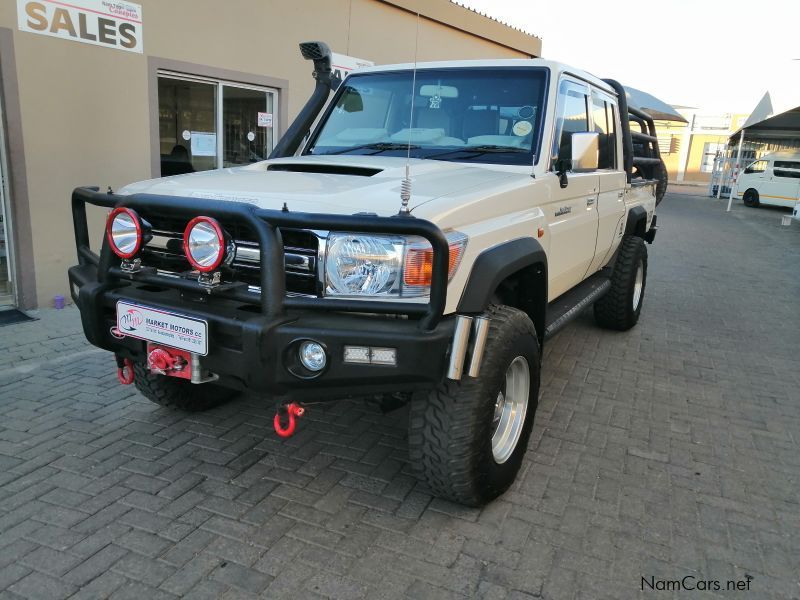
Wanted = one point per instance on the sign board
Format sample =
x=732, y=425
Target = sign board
x=110, y=23
x=343, y=64
x=264, y=119
x=162, y=327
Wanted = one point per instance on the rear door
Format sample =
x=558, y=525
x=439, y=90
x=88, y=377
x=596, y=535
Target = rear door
x=571, y=211
x=611, y=178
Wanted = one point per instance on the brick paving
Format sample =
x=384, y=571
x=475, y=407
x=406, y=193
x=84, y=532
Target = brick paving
x=666, y=451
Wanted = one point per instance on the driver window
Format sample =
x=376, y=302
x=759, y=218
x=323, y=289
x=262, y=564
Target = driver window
x=757, y=167
x=571, y=117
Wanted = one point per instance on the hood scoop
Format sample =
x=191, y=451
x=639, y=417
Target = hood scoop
x=323, y=168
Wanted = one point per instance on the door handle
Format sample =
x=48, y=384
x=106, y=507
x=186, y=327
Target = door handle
x=620, y=195
x=590, y=201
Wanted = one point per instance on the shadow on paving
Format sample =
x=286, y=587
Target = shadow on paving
x=666, y=451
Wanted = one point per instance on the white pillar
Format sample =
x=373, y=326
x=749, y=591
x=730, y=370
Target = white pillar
x=735, y=180
x=683, y=154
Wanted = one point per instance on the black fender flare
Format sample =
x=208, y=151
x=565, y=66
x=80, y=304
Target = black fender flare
x=499, y=263
x=636, y=223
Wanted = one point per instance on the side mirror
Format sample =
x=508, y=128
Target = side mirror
x=585, y=151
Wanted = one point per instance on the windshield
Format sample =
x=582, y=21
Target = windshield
x=490, y=115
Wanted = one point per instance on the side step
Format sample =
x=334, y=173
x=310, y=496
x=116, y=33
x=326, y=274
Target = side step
x=570, y=304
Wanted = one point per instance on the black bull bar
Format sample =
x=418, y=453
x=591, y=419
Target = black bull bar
x=266, y=224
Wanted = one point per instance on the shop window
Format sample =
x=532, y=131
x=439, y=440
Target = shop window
x=207, y=124
x=710, y=152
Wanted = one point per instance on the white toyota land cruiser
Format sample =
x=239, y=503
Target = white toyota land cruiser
x=416, y=235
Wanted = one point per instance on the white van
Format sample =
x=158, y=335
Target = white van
x=773, y=180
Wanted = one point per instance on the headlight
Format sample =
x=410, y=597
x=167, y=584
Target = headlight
x=363, y=265
x=384, y=266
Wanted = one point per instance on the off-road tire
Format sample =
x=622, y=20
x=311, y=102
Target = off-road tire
x=450, y=428
x=660, y=174
x=616, y=309
x=751, y=199
x=180, y=394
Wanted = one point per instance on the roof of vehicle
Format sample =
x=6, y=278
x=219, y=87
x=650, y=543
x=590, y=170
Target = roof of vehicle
x=781, y=156
x=556, y=67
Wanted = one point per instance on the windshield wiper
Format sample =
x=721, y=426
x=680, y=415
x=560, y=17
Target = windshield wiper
x=377, y=146
x=482, y=149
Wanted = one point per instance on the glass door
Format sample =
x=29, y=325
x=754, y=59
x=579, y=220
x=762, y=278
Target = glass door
x=209, y=124
x=187, y=125
x=6, y=267
x=247, y=116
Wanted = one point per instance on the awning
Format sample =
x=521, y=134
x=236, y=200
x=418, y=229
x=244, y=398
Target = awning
x=777, y=114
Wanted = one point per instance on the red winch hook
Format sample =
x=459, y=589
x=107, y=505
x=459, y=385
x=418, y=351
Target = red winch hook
x=125, y=370
x=294, y=411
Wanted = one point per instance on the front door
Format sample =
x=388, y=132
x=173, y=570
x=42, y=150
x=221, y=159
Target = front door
x=571, y=211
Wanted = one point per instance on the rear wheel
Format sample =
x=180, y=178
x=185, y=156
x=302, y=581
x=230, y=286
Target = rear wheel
x=467, y=438
x=660, y=174
x=177, y=393
x=620, y=308
x=750, y=198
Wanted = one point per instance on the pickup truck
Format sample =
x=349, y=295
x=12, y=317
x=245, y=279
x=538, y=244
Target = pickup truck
x=416, y=235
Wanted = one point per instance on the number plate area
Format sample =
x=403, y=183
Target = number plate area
x=162, y=327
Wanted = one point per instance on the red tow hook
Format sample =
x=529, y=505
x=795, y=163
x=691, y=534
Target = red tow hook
x=294, y=411
x=124, y=370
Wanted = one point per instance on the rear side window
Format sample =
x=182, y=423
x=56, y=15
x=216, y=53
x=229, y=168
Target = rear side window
x=603, y=118
x=783, y=173
x=787, y=164
x=572, y=117
x=757, y=167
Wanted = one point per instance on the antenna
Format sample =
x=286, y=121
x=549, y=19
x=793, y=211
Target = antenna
x=405, y=184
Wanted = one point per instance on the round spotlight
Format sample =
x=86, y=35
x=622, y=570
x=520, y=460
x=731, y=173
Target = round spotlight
x=312, y=356
x=124, y=232
x=204, y=243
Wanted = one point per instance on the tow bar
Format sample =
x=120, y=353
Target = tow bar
x=294, y=411
x=124, y=370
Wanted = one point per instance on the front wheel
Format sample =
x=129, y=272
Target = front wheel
x=750, y=198
x=467, y=438
x=620, y=308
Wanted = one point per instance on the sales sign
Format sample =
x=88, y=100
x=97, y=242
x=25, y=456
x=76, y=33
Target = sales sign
x=111, y=23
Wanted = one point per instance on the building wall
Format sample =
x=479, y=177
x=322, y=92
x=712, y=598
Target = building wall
x=86, y=110
x=684, y=161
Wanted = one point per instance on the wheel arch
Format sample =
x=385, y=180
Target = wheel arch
x=516, y=273
x=636, y=223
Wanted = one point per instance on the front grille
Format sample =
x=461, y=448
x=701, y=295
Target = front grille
x=165, y=253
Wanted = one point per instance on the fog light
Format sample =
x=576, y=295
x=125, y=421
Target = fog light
x=383, y=356
x=356, y=354
x=312, y=356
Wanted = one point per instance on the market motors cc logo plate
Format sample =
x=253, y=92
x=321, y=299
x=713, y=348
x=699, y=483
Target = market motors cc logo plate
x=130, y=321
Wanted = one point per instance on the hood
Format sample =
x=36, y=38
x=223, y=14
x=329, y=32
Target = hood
x=327, y=184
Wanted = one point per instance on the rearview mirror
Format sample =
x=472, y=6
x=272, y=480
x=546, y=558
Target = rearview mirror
x=585, y=151
x=443, y=91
